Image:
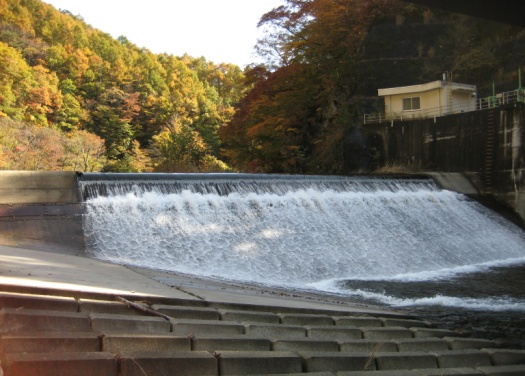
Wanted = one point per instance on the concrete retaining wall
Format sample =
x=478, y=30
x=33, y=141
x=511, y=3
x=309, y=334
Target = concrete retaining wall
x=33, y=187
x=486, y=146
x=39, y=209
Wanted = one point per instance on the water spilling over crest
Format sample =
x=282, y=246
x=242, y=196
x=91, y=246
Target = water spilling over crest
x=337, y=234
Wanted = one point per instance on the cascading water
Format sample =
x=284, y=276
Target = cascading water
x=300, y=232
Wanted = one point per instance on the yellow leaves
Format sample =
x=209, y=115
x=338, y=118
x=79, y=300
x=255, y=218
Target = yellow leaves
x=184, y=150
x=79, y=62
x=58, y=72
x=11, y=12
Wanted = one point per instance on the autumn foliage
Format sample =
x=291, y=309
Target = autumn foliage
x=62, y=79
x=294, y=117
x=72, y=97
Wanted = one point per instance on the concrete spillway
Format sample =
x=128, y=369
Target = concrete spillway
x=294, y=231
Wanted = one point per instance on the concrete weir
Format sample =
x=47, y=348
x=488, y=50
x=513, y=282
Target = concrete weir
x=45, y=207
x=64, y=314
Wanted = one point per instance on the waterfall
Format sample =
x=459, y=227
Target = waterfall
x=295, y=231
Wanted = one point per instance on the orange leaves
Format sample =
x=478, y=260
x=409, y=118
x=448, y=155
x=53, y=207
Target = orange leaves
x=31, y=147
x=311, y=49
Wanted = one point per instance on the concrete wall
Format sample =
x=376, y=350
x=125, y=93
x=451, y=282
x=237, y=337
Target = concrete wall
x=31, y=187
x=40, y=209
x=486, y=146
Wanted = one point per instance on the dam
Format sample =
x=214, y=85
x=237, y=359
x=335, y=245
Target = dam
x=334, y=234
x=330, y=273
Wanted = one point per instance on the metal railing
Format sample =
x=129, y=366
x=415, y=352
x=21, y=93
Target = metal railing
x=480, y=104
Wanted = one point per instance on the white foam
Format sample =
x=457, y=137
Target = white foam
x=302, y=237
x=436, y=275
x=482, y=304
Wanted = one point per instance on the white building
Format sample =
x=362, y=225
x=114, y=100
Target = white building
x=428, y=100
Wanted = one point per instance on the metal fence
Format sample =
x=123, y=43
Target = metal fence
x=481, y=104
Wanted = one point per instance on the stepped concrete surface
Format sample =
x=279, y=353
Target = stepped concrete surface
x=66, y=314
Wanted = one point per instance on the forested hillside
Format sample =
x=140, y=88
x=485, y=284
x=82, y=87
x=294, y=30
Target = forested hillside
x=72, y=97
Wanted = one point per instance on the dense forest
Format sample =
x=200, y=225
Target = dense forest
x=74, y=98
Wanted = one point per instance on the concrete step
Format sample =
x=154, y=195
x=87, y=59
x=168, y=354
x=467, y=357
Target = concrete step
x=258, y=362
x=369, y=346
x=356, y=321
x=463, y=371
x=434, y=332
x=60, y=364
x=104, y=306
x=239, y=342
x=333, y=333
x=191, y=313
x=470, y=343
x=517, y=370
x=104, y=322
x=39, y=302
x=462, y=358
x=250, y=316
x=107, y=338
x=293, y=310
x=205, y=327
x=422, y=344
x=42, y=342
x=377, y=373
x=305, y=319
x=405, y=360
x=32, y=320
x=168, y=363
x=319, y=361
x=274, y=331
x=387, y=333
x=306, y=344
x=405, y=323
x=126, y=343
x=505, y=357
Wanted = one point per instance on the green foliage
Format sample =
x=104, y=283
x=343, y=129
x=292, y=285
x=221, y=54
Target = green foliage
x=183, y=150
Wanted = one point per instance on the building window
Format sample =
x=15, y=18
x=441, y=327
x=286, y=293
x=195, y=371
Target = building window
x=411, y=104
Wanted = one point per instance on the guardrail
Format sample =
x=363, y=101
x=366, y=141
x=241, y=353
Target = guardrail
x=481, y=104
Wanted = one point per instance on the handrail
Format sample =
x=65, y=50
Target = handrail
x=480, y=104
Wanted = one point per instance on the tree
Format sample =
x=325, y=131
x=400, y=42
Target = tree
x=133, y=160
x=84, y=152
x=183, y=150
x=307, y=93
x=43, y=99
x=30, y=147
x=16, y=80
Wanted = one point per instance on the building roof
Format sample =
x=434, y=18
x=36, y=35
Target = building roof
x=425, y=87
